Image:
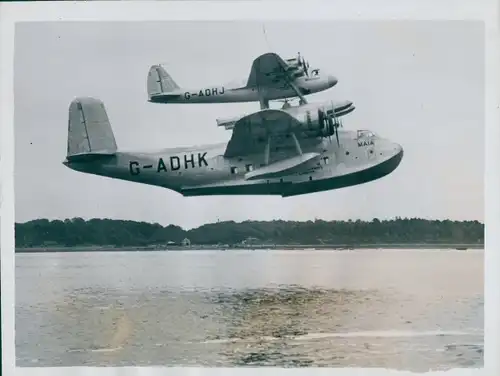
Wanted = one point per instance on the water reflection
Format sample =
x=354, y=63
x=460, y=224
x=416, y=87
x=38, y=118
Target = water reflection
x=262, y=323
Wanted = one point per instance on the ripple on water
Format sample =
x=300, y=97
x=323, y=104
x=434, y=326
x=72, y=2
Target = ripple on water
x=86, y=323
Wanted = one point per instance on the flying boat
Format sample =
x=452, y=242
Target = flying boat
x=270, y=152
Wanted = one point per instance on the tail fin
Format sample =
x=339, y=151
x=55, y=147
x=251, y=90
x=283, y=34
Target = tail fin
x=160, y=82
x=89, y=130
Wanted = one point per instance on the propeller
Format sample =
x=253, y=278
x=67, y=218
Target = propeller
x=305, y=66
x=302, y=63
x=337, y=124
x=330, y=121
x=334, y=128
x=321, y=117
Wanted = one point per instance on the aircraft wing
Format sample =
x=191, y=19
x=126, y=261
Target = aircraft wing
x=250, y=133
x=269, y=70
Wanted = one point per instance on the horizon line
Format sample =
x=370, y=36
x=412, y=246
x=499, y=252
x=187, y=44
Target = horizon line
x=391, y=219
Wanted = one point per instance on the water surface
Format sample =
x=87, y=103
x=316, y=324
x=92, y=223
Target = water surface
x=403, y=309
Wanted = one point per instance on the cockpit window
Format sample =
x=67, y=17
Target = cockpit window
x=365, y=134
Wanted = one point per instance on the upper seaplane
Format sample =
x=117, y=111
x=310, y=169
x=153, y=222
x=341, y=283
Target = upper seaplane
x=270, y=152
x=270, y=78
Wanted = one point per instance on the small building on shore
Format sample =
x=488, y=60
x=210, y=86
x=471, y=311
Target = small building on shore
x=186, y=242
x=250, y=241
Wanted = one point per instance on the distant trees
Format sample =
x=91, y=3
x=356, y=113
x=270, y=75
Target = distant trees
x=105, y=232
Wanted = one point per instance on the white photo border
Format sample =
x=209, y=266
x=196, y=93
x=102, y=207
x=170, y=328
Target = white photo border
x=359, y=10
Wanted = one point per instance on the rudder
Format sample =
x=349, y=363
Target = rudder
x=160, y=82
x=89, y=129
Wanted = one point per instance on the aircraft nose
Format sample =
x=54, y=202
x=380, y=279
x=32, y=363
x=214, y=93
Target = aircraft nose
x=332, y=81
x=390, y=148
x=398, y=150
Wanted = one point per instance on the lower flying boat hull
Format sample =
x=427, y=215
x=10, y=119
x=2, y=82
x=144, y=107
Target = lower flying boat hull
x=289, y=189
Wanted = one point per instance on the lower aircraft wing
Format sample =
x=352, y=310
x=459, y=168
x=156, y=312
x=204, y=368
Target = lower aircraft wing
x=269, y=70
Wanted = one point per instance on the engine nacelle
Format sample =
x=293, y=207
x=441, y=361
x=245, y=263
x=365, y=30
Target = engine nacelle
x=293, y=62
x=298, y=72
x=315, y=124
x=320, y=122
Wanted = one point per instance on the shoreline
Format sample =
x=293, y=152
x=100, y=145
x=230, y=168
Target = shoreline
x=312, y=247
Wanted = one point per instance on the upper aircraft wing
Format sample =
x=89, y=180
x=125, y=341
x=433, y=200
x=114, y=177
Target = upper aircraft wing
x=250, y=137
x=250, y=133
x=270, y=70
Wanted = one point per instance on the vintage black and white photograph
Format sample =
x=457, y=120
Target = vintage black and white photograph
x=244, y=193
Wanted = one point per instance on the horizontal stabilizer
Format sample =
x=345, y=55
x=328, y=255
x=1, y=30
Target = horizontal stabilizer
x=283, y=167
x=163, y=98
x=90, y=157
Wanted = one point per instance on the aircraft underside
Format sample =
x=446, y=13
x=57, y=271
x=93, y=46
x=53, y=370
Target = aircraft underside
x=287, y=188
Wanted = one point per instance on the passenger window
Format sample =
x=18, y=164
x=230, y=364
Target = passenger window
x=326, y=159
x=249, y=167
x=234, y=170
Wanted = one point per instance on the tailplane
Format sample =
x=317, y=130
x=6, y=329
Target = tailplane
x=161, y=83
x=89, y=130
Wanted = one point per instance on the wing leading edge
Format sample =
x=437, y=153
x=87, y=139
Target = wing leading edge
x=268, y=70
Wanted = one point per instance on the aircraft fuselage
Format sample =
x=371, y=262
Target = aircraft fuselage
x=203, y=170
x=228, y=94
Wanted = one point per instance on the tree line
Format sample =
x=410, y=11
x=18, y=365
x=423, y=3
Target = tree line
x=108, y=232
